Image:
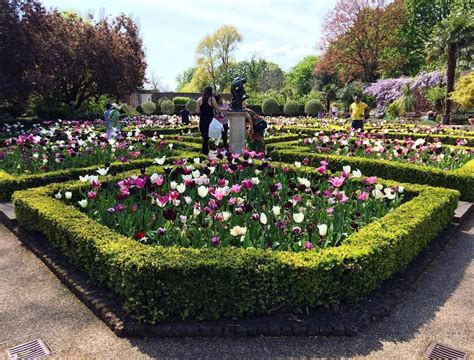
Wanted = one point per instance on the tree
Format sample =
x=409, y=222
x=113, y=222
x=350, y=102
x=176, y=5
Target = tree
x=154, y=82
x=329, y=94
x=72, y=60
x=449, y=38
x=464, y=92
x=214, y=54
x=300, y=79
x=356, y=34
x=261, y=75
x=185, y=77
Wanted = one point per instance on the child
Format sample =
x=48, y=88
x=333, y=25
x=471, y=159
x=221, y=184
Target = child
x=255, y=139
x=223, y=119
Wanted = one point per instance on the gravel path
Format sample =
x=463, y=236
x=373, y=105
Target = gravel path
x=33, y=304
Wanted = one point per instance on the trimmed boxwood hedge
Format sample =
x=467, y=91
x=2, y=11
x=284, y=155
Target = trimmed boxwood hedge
x=10, y=183
x=157, y=283
x=461, y=179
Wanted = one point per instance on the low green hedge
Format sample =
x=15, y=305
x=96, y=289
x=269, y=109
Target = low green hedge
x=9, y=183
x=461, y=179
x=157, y=283
x=165, y=130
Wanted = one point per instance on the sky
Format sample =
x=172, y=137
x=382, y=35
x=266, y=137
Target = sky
x=282, y=31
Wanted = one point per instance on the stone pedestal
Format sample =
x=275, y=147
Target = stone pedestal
x=237, y=131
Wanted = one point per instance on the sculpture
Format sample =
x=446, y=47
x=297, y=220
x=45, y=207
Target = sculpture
x=238, y=93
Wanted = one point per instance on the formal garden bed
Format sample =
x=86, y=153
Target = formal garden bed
x=236, y=238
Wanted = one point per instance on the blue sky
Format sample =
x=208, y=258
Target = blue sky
x=282, y=31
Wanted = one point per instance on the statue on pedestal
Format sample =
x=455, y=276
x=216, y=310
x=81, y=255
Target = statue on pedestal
x=238, y=93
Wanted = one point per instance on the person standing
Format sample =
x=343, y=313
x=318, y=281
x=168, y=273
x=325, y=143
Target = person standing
x=108, y=129
x=114, y=119
x=184, y=113
x=205, y=107
x=359, y=112
x=223, y=118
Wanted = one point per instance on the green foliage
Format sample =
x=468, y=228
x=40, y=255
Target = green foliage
x=191, y=105
x=436, y=96
x=312, y=95
x=167, y=107
x=259, y=98
x=185, y=78
x=312, y=107
x=49, y=108
x=300, y=79
x=291, y=108
x=128, y=110
x=180, y=100
x=396, y=109
x=347, y=93
x=163, y=98
x=270, y=106
x=158, y=283
x=464, y=91
x=149, y=108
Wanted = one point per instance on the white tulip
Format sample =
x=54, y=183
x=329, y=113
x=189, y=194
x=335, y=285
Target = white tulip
x=84, y=178
x=203, y=191
x=298, y=217
x=196, y=174
x=58, y=196
x=68, y=195
x=238, y=231
x=226, y=215
x=255, y=181
x=188, y=200
x=196, y=212
x=346, y=169
x=102, y=171
x=263, y=219
x=160, y=161
x=173, y=185
x=181, y=188
x=197, y=160
x=83, y=203
x=401, y=189
x=304, y=182
x=276, y=210
x=297, y=164
x=356, y=173
x=323, y=229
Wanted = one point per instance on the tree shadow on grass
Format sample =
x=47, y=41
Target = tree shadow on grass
x=433, y=290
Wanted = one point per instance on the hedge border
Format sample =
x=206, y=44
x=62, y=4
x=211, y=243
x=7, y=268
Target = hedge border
x=461, y=179
x=10, y=183
x=230, y=282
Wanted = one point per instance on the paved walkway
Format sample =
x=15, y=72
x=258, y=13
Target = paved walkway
x=33, y=303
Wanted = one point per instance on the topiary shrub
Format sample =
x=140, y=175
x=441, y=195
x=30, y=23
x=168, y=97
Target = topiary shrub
x=312, y=107
x=148, y=108
x=128, y=110
x=191, y=105
x=167, y=107
x=270, y=106
x=161, y=99
x=180, y=100
x=291, y=108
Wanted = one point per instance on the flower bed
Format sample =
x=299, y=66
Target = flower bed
x=228, y=205
x=162, y=282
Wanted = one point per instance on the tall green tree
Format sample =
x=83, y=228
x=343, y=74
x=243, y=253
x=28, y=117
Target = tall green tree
x=261, y=75
x=300, y=79
x=214, y=53
x=185, y=77
x=452, y=37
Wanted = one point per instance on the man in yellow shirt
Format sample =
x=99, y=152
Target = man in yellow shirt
x=359, y=111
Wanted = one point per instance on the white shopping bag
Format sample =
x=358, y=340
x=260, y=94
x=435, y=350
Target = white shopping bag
x=215, y=129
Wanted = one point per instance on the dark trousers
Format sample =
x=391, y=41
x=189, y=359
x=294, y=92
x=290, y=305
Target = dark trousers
x=224, y=135
x=204, y=129
x=358, y=124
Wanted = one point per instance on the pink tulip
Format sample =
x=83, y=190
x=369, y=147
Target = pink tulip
x=336, y=181
x=363, y=196
x=370, y=180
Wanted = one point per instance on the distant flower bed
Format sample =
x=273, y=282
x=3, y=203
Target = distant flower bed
x=151, y=121
x=72, y=145
x=238, y=203
x=417, y=151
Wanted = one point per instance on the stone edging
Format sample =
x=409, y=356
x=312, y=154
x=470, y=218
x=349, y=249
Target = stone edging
x=343, y=320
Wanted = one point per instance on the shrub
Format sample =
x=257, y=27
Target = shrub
x=396, y=109
x=291, y=108
x=464, y=92
x=312, y=107
x=157, y=283
x=49, y=108
x=180, y=100
x=149, y=108
x=167, y=107
x=191, y=105
x=161, y=99
x=270, y=106
x=128, y=110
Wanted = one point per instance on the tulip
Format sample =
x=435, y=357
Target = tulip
x=298, y=217
x=297, y=164
x=181, y=188
x=160, y=161
x=308, y=246
x=336, y=181
x=323, y=229
x=83, y=203
x=92, y=195
x=58, y=196
x=68, y=195
x=370, y=180
x=203, y=191
x=263, y=218
x=103, y=171
x=215, y=241
x=238, y=231
x=356, y=173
